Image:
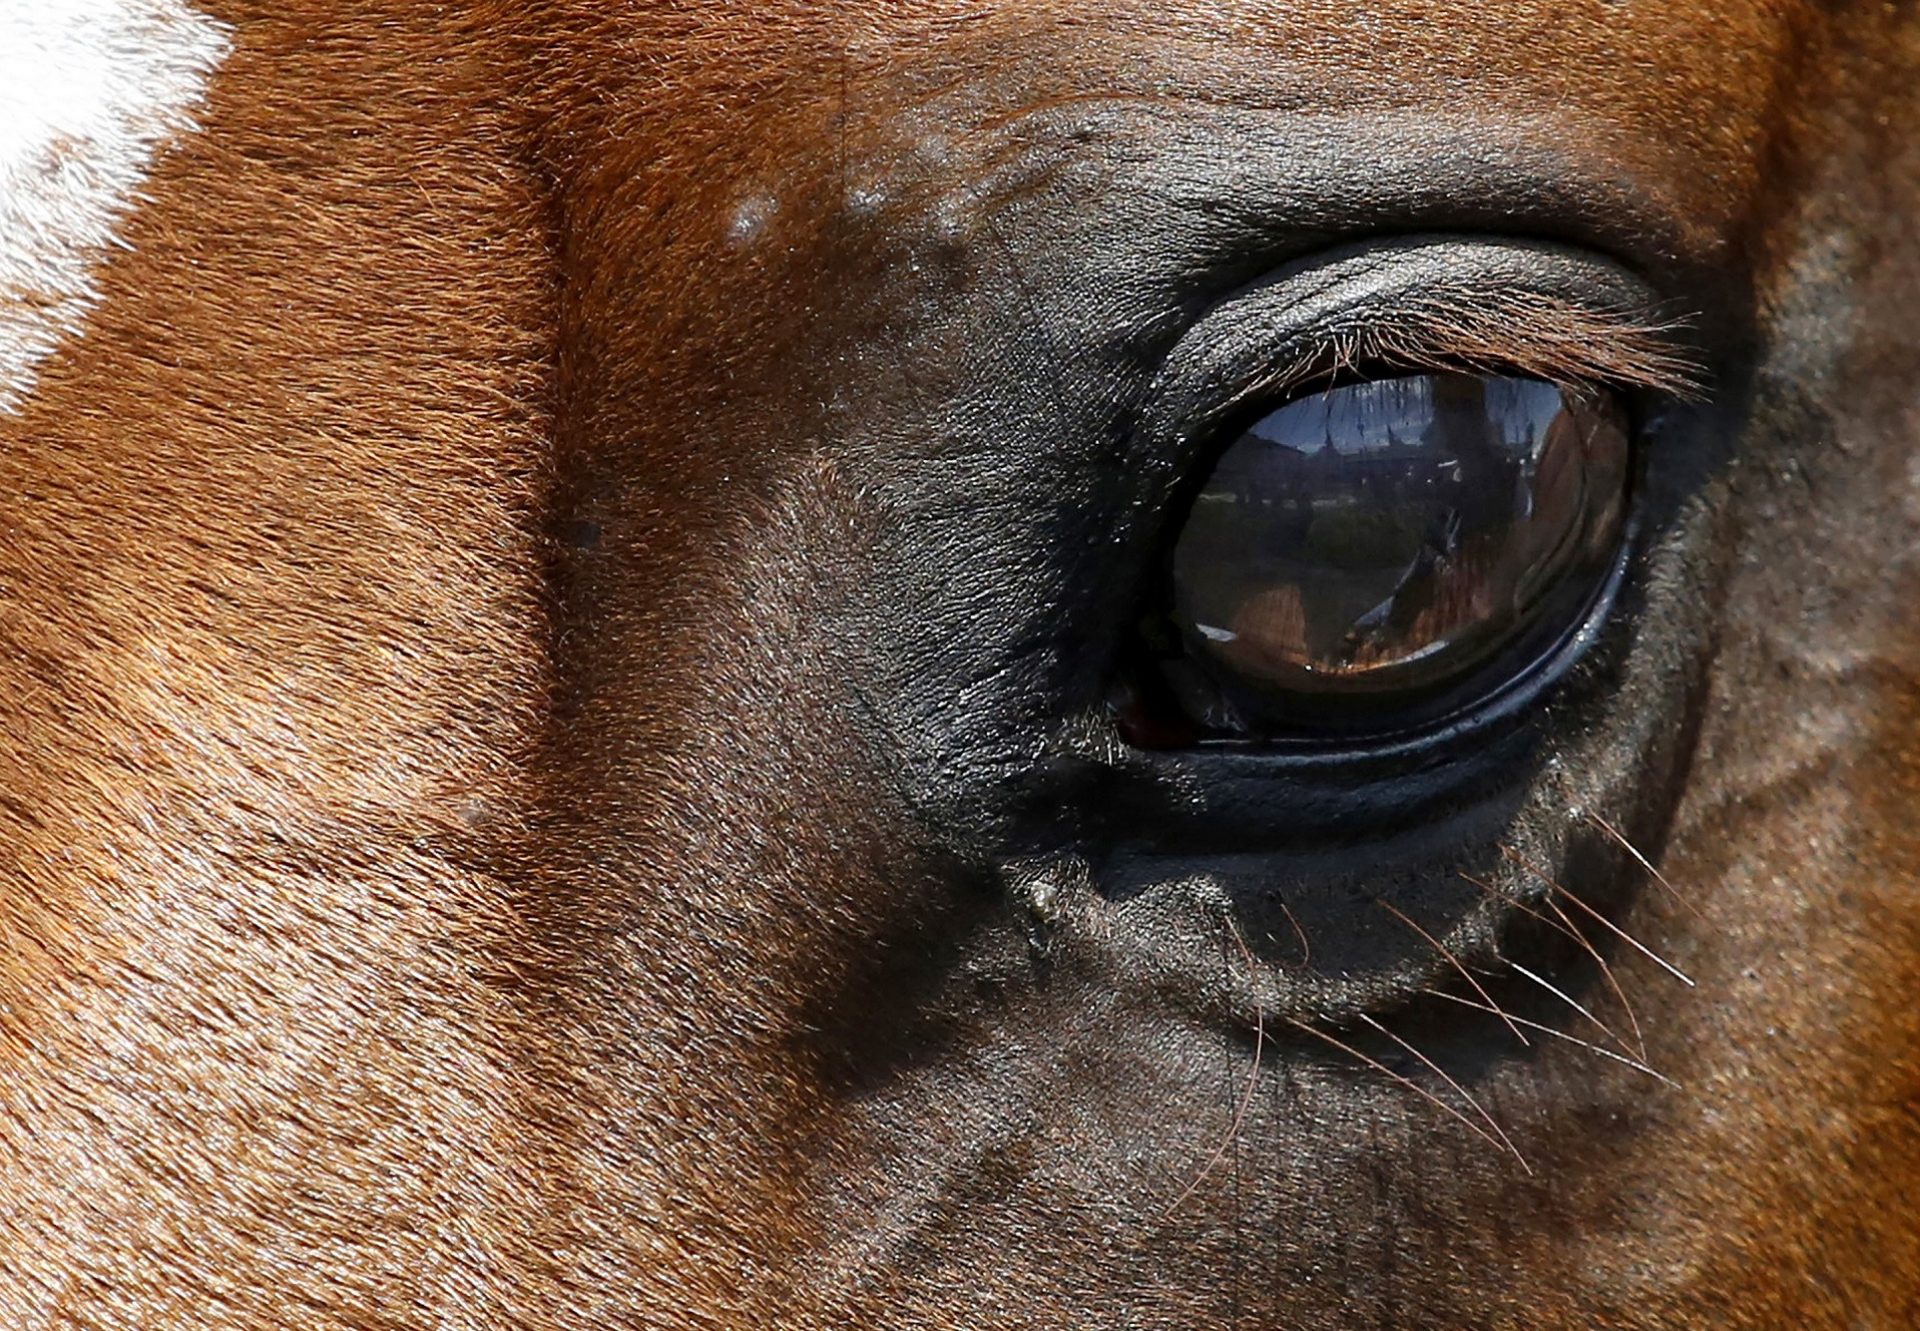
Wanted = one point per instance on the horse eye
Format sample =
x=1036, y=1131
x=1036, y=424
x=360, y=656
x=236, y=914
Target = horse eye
x=1388, y=552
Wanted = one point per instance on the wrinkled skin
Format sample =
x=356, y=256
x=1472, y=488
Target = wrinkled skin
x=553, y=636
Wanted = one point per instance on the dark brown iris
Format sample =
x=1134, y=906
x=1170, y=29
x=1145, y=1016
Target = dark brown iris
x=1390, y=543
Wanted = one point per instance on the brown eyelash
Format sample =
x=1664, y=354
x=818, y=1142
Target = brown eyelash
x=1525, y=333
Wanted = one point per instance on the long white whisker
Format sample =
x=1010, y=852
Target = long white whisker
x=1645, y=863
x=1569, y=1000
x=1624, y=936
x=1604, y=1052
x=1626, y=1006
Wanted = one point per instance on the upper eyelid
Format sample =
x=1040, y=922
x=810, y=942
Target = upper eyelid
x=1562, y=342
x=1427, y=303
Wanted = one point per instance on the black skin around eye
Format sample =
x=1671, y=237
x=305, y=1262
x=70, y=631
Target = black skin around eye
x=1362, y=557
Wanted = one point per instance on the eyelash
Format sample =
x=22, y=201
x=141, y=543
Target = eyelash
x=1619, y=353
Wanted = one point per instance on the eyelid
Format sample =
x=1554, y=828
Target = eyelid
x=1424, y=303
x=1501, y=331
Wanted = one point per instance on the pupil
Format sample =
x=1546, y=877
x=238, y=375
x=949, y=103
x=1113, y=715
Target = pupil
x=1382, y=544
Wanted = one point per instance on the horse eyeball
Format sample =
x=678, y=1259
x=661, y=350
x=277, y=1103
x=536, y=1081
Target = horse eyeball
x=1383, y=545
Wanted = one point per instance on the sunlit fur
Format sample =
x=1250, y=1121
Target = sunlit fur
x=446, y=879
x=90, y=90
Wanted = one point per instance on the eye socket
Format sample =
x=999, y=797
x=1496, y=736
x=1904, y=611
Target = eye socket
x=1381, y=554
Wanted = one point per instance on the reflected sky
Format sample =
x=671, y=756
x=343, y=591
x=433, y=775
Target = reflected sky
x=1385, y=414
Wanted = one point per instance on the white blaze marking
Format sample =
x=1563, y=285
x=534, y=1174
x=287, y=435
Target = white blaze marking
x=90, y=92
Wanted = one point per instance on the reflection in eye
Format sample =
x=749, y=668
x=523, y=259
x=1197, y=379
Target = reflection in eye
x=1384, y=545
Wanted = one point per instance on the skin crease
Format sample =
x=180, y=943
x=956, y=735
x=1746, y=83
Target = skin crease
x=473, y=856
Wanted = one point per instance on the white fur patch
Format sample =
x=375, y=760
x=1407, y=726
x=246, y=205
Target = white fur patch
x=91, y=91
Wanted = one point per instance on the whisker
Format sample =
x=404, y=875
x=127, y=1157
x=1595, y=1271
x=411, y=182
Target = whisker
x=1565, y=926
x=1239, y=1118
x=1306, y=948
x=1246, y=1097
x=1635, y=1064
x=1606, y=971
x=1500, y=896
x=1451, y=958
x=1645, y=863
x=1625, y=937
x=1569, y=1000
x=1458, y=1090
x=1395, y=1077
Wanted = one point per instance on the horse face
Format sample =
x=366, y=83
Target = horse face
x=1064, y=1028
x=745, y=853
